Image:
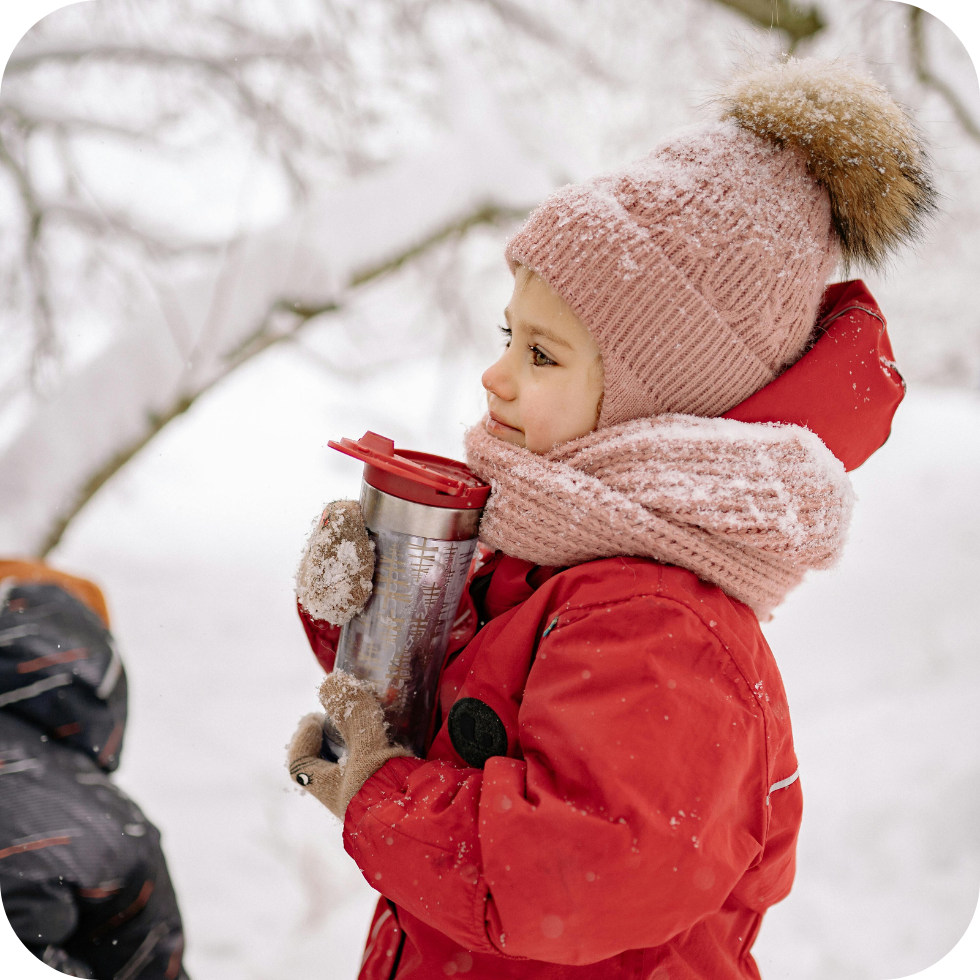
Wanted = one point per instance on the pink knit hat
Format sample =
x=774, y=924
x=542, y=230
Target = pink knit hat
x=699, y=268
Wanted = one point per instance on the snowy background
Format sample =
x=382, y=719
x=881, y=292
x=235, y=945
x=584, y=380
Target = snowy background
x=176, y=249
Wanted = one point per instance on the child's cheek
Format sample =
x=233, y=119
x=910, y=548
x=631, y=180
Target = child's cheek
x=553, y=413
x=541, y=415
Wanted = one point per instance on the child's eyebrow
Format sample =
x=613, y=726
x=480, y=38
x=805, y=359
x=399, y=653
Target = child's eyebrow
x=538, y=331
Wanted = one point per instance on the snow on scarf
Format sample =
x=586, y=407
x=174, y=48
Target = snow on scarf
x=746, y=506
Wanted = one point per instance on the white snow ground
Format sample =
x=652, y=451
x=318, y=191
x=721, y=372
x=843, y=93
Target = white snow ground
x=196, y=543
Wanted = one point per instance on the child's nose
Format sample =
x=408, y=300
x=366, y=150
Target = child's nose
x=497, y=381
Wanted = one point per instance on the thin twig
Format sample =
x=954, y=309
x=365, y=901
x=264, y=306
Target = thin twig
x=797, y=23
x=920, y=64
x=487, y=214
x=120, y=224
x=515, y=15
x=146, y=54
x=44, y=336
x=227, y=70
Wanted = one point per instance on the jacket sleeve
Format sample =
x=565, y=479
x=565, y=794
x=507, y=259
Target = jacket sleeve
x=638, y=804
x=323, y=638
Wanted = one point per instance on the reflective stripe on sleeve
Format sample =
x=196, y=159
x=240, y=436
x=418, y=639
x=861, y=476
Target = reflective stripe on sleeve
x=33, y=690
x=783, y=783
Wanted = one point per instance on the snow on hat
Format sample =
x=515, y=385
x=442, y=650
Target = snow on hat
x=699, y=268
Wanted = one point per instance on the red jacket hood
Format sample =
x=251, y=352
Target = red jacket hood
x=846, y=388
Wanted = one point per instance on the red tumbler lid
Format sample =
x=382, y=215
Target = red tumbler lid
x=420, y=477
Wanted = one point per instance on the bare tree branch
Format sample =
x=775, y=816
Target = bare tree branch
x=527, y=23
x=147, y=54
x=303, y=92
x=70, y=126
x=120, y=224
x=45, y=342
x=925, y=75
x=269, y=332
x=280, y=133
x=488, y=214
x=797, y=23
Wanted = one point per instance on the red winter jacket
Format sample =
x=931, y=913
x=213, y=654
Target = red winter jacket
x=639, y=808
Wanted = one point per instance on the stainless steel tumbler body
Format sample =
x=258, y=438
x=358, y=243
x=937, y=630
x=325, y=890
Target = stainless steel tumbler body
x=424, y=539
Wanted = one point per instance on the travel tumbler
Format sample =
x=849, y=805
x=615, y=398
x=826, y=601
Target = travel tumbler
x=422, y=512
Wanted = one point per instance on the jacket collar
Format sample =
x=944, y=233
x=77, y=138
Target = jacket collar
x=846, y=388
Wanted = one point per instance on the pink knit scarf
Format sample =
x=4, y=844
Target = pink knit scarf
x=749, y=507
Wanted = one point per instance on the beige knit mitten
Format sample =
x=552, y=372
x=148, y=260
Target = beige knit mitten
x=355, y=711
x=333, y=581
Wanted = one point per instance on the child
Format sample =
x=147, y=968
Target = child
x=612, y=790
x=83, y=876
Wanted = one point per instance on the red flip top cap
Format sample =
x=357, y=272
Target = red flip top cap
x=420, y=477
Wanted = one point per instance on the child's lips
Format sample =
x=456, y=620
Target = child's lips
x=498, y=427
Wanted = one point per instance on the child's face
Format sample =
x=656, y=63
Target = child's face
x=547, y=385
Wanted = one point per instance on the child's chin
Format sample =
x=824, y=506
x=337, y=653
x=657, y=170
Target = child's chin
x=514, y=436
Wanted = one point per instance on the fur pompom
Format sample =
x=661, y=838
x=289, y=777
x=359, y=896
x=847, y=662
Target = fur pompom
x=857, y=142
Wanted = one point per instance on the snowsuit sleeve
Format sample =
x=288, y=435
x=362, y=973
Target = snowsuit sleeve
x=642, y=775
x=323, y=638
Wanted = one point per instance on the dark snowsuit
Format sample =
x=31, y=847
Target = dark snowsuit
x=82, y=875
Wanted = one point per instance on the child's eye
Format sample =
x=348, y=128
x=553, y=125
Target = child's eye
x=506, y=331
x=539, y=358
